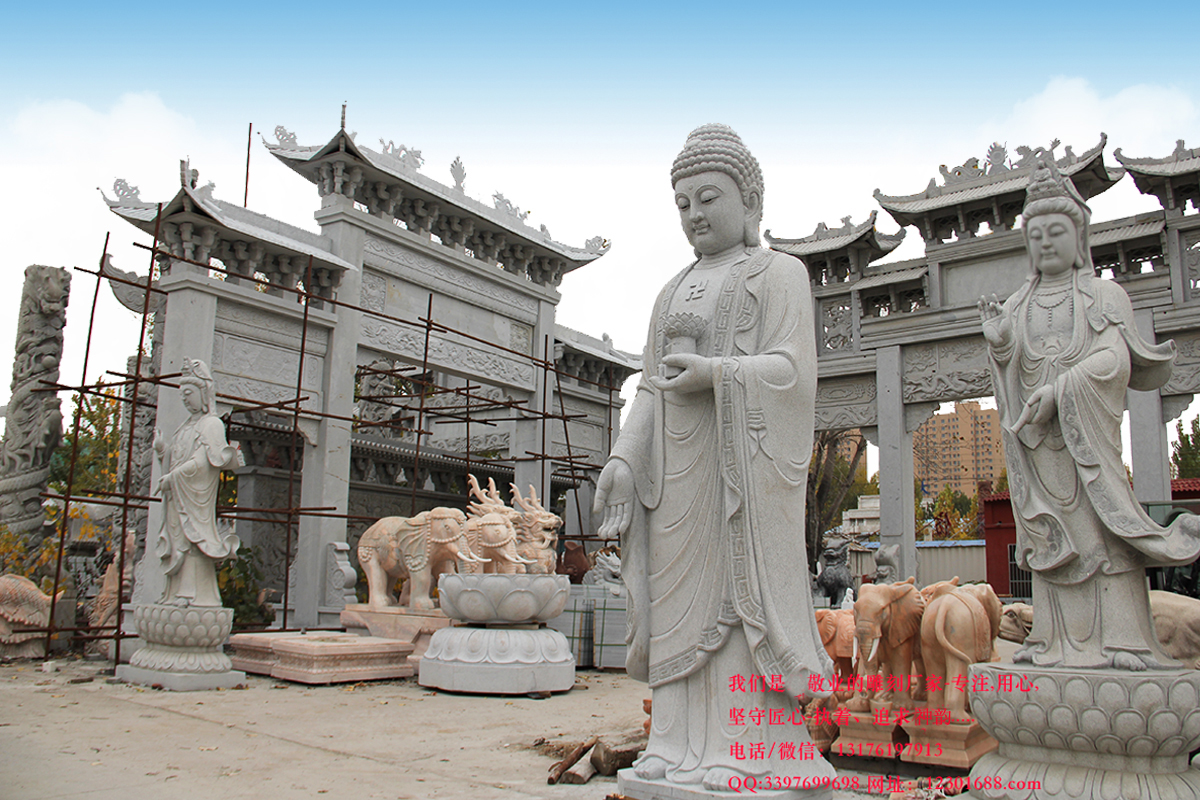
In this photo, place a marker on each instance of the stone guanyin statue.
(190, 543)
(1064, 348)
(706, 486)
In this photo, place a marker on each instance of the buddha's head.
(718, 189)
(1055, 221)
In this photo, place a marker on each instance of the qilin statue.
(33, 425)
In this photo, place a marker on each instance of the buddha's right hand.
(615, 495)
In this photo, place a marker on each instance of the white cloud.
(56, 154)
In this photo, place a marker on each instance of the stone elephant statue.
(836, 627)
(397, 546)
(959, 628)
(887, 626)
(495, 539)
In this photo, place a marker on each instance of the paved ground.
(96, 740)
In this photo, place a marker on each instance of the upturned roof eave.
(303, 160)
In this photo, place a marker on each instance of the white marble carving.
(713, 463)
(1107, 707)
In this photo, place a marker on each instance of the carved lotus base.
(498, 661)
(1088, 733)
(178, 639)
(505, 599)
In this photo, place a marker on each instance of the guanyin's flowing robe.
(1080, 529)
(190, 541)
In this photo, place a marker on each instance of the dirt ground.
(72, 733)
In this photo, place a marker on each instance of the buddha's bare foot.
(650, 768)
(1023, 656)
(719, 779)
(1128, 661)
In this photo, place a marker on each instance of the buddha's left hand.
(697, 375)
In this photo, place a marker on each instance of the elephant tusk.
(482, 560)
(520, 560)
(874, 648)
(855, 649)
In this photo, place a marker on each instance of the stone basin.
(504, 599)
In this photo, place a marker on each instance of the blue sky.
(574, 114)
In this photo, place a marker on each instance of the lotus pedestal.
(505, 647)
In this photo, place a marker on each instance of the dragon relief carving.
(946, 371)
(33, 426)
(391, 338)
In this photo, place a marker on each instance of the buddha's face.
(712, 212)
(1053, 243)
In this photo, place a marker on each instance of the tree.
(1185, 453)
(830, 480)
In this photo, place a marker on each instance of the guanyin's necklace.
(1046, 334)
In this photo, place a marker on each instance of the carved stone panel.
(836, 324)
(445, 354)
(1186, 377)
(456, 281)
(846, 403)
(374, 290)
(944, 371)
(263, 372)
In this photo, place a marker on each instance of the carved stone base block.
(255, 652)
(958, 743)
(184, 648)
(414, 627)
(860, 735)
(498, 661)
(334, 658)
(631, 786)
(1087, 733)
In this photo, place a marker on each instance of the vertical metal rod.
(421, 405)
(292, 515)
(65, 527)
(133, 409)
(547, 356)
(249, 140)
(562, 407)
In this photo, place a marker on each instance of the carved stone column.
(1148, 432)
(325, 476)
(897, 520)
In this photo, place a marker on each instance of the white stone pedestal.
(1087, 733)
(184, 648)
(509, 660)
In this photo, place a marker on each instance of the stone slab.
(414, 627)
(180, 681)
(255, 652)
(610, 626)
(635, 788)
(340, 658)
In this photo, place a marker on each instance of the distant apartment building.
(958, 449)
(846, 448)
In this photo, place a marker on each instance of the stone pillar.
(1148, 433)
(325, 475)
(897, 518)
(191, 299)
(527, 433)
